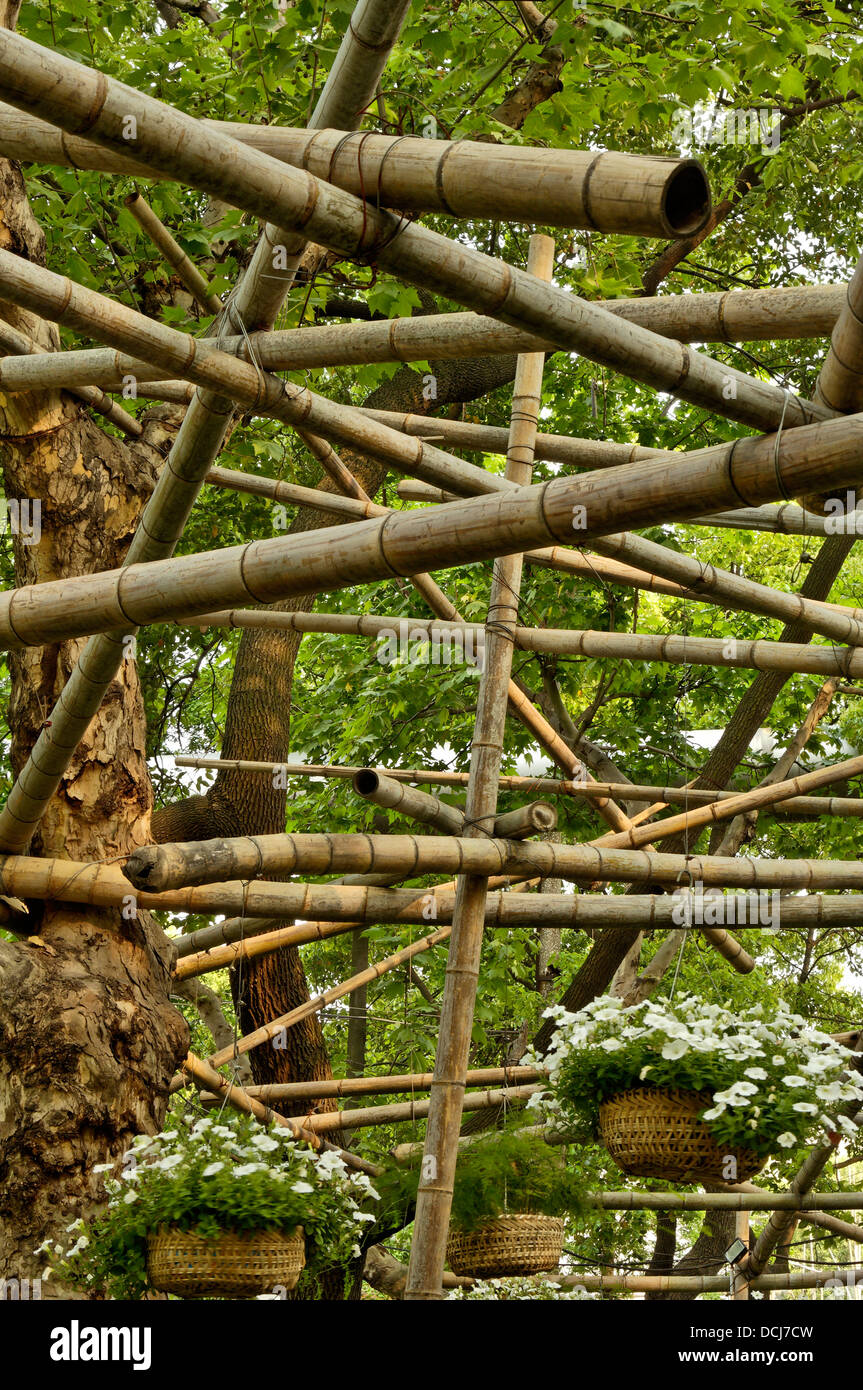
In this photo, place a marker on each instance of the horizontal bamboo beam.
(726, 1201)
(406, 1111)
(735, 315)
(758, 654)
(163, 867)
(46, 84)
(430, 810)
(459, 532)
(12, 340)
(386, 1085)
(784, 520)
(635, 194)
(700, 1283)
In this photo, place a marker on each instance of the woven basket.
(655, 1132)
(521, 1243)
(236, 1264)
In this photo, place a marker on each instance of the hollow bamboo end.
(365, 782)
(686, 200)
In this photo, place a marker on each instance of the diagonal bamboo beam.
(355, 72)
(171, 251)
(74, 97)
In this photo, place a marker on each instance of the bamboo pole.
(68, 94)
(784, 520)
(725, 809)
(755, 314)
(293, 494)
(847, 1229)
(159, 868)
(416, 805)
(840, 382)
(13, 341)
(373, 29)
(434, 1194)
(329, 996)
(621, 791)
(429, 810)
(696, 1283)
(633, 194)
(172, 252)
(579, 912)
(406, 1111)
(386, 1085)
(727, 1201)
(804, 1180)
(758, 654)
(491, 439)
(206, 1078)
(459, 532)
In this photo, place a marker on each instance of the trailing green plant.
(774, 1081)
(210, 1176)
(518, 1290)
(499, 1173)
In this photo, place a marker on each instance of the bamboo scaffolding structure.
(293, 494)
(172, 252)
(804, 1180)
(847, 1229)
(159, 868)
(329, 996)
(405, 1112)
(725, 809)
(621, 791)
(446, 1102)
(727, 1201)
(459, 532)
(253, 944)
(206, 1078)
(44, 83)
(387, 1085)
(13, 341)
(491, 439)
(784, 520)
(373, 29)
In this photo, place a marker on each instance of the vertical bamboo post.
(434, 1197)
(372, 30)
(740, 1284)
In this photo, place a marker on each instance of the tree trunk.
(88, 1037)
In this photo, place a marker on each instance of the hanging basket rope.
(236, 1264)
(655, 1132)
(518, 1243)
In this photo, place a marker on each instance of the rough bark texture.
(88, 1037)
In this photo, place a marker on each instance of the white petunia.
(130, 1196)
(756, 1073)
(245, 1168)
(787, 1140)
(796, 1081)
(611, 1045)
(302, 1187)
(805, 1108)
(674, 1049)
(212, 1169)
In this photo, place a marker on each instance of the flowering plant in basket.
(774, 1080)
(213, 1176)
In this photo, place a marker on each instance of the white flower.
(756, 1073)
(715, 1113)
(246, 1168)
(130, 1196)
(211, 1169)
(672, 1050)
(796, 1081)
(611, 1045)
(805, 1108)
(264, 1142)
(302, 1187)
(170, 1161)
(787, 1140)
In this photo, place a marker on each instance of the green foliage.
(498, 1173)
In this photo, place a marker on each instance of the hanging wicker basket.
(236, 1264)
(519, 1243)
(655, 1132)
